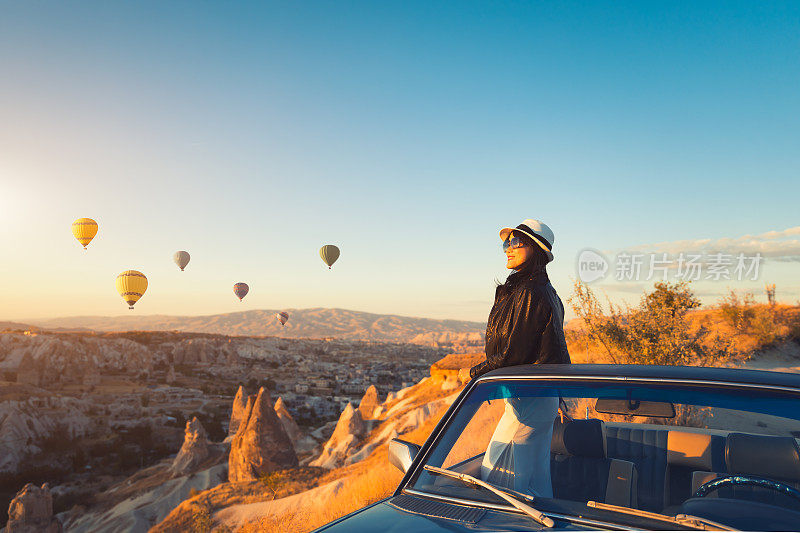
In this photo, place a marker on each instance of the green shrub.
(655, 332)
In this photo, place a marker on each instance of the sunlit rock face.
(349, 430)
(31, 511)
(260, 445)
(368, 403)
(291, 427)
(238, 411)
(195, 448)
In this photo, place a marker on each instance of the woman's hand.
(477, 370)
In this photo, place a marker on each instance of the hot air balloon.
(240, 290)
(131, 285)
(329, 253)
(181, 259)
(282, 317)
(84, 230)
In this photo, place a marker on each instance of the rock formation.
(31, 511)
(91, 378)
(46, 359)
(368, 403)
(349, 430)
(204, 351)
(291, 427)
(453, 371)
(29, 370)
(171, 378)
(238, 411)
(260, 445)
(194, 450)
(24, 424)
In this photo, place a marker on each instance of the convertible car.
(580, 447)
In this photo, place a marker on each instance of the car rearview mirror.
(631, 407)
(402, 453)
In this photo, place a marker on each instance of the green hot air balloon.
(329, 253)
(181, 259)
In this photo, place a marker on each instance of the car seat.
(580, 469)
(760, 456)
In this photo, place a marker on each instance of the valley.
(83, 411)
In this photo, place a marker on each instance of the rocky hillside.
(303, 323)
(345, 472)
(97, 383)
(267, 469)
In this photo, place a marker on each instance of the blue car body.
(413, 511)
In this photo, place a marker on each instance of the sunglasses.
(513, 242)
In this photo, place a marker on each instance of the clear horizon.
(407, 134)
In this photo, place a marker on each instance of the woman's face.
(516, 257)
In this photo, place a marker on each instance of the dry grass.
(374, 484)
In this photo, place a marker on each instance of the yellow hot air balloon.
(84, 230)
(329, 253)
(131, 285)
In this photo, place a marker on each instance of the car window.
(475, 437)
(646, 447)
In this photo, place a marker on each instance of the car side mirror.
(402, 454)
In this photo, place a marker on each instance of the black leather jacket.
(526, 324)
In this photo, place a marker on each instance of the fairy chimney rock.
(368, 402)
(31, 511)
(261, 445)
(348, 432)
(194, 450)
(289, 425)
(238, 412)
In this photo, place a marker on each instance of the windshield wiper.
(503, 493)
(688, 520)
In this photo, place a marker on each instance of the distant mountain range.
(303, 323)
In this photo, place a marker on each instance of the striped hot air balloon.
(329, 253)
(131, 285)
(84, 229)
(282, 317)
(181, 259)
(241, 289)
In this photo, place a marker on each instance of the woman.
(526, 326)
(526, 323)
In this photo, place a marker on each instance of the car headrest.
(690, 449)
(763, 456)
(582, 438)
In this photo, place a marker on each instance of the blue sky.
(406, 133)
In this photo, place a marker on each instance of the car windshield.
(724, 453)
